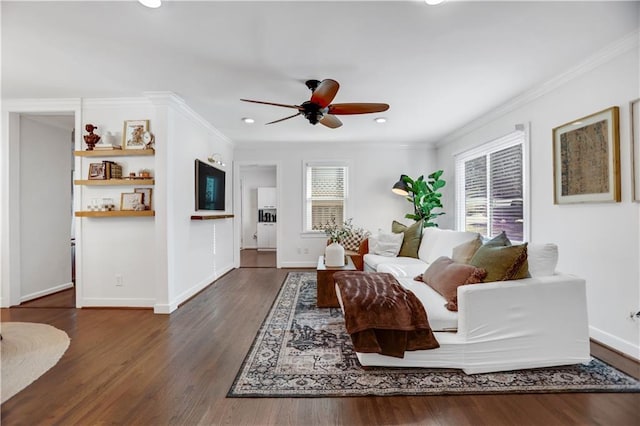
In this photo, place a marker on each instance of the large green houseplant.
(425, 197)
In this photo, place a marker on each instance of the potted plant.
(425, 197)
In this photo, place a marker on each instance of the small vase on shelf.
(334, 255)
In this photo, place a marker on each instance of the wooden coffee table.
(326, 290)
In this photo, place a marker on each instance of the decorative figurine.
(91, 139)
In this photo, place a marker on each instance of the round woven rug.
(28, 350)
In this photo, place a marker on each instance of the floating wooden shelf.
(107, 182)
(116, 213)
(114, 153)
(211, 217)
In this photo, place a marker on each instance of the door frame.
(10, 183)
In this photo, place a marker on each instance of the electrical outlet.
(119, 281)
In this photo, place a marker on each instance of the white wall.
(45, 206)
(253, 178)
(372, 205)
(599, 242)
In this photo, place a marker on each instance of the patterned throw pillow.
(352, 242)
(464, 252)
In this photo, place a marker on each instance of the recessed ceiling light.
(151, 3)
(380, 120)
(434, 2)
(248, 120)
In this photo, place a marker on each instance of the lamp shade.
(400, 187)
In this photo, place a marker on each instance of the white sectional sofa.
(532, 322)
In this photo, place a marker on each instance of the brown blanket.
(382, 316)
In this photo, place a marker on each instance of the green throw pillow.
(499, 241)
(412, 236)
(502, 263)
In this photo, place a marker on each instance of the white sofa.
(539, 321)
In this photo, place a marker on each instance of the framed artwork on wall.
(133, 134)
(634, 108)
(586, 159)
(146, 196)
(97, 171)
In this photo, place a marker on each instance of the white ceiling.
(438, 67)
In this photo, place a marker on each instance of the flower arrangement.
(337, 233)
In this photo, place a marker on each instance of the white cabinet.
(267, 198)
(266, 236)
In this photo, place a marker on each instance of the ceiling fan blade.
(356, 108)
(330, 121)
(325, 92)
(272, 103)
(282, 119)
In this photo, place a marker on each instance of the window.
(325, 194)
(490, 191)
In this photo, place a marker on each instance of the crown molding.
(41, 104)
(603, 56)
(170, 99)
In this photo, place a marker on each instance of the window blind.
(325, 195)
(490, 188)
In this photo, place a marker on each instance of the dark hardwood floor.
(252, 258)
(134, 367)
(61, 299)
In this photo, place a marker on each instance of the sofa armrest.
(545, 310)
(364, 247)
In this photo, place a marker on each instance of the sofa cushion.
(542, 259)
(412, 236)
(502, 263)
(440, 318)
(445, 276)
(403, 270)
(386, 244)
(440, 242)
(373, 261)
(463, 253)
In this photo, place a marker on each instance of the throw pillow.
(502, 263)
(412, 236)
(499, 241)
(445, 276)
(464, 252)
(386, 244)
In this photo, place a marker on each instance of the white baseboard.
(614, 342)
(112, 302)
(167, 308)
(300, 264)
(45, 292)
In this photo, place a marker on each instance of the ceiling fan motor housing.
(312, 112)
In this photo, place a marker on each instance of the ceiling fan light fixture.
(153, 4)
(434, 2)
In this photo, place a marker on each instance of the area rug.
(303, 351)
(27, 351)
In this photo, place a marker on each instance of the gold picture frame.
(634, 110)
(586, 159)
(147, 194)
(132, 135)
(131, 201)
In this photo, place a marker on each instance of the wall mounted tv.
(210, 185)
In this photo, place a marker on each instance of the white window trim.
(521, 130)
(304, 233)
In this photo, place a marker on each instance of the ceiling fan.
(319, 108)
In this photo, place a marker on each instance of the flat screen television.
(210, 185)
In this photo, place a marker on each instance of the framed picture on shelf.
(131, 201)
(146, 196)
(133, 134)
(586, 159)
(634, 107)
(97, 171)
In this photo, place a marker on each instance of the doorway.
(43, 258)
(258, 216)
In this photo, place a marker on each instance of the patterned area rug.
(304, 351)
